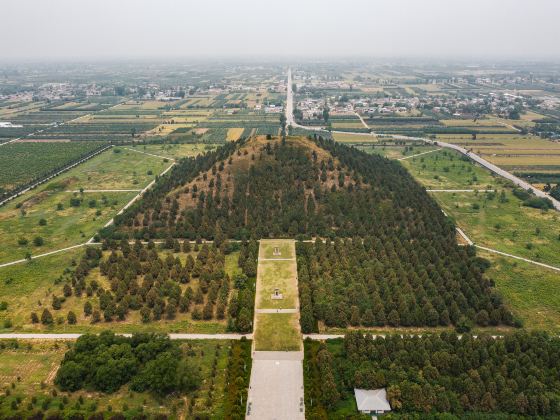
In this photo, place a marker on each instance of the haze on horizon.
(109, 29)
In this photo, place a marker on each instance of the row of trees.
(387, 281)
(237, 379)
(516, 374)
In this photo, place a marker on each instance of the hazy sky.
(79, 29)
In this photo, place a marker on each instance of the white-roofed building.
(372, 401)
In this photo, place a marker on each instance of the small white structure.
(276, 251)
(372, 401)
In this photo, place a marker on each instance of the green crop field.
(62, 216)
(21, 163)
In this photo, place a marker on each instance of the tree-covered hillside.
(266, 188)
(403, 268)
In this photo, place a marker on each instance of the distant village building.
(372, 401)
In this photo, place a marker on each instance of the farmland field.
(62, 216)
(21, 163)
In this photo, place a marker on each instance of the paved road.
(464, 235)
(517, 181)
(418, 154)
(323, 337)
(460, 191)
(276, 386)
(101, 191)
(505, 254)
(56, 251)
(174, 336)
(362, 120)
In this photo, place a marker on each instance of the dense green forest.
(469, 377)
(105, 362)
(387, 281)
(301, 187)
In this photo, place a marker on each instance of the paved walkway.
(276, 385)
(74, 336)
(150, 154)
(277, 311)
(460, 191)
(505, 254)
(56, 251)
(419, 154)
(276, 388)
(102, 191)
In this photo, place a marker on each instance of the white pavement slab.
(75, 336)
(277, 311)
(276, 387)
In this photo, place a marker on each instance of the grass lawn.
(531, 292)
(286, 248)
(447, 169)
(509, 227)
(61, 228)
(276, 274)
(125, 169)
(277, 332)
(25, 284)
(20, 219)
(35, 363)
